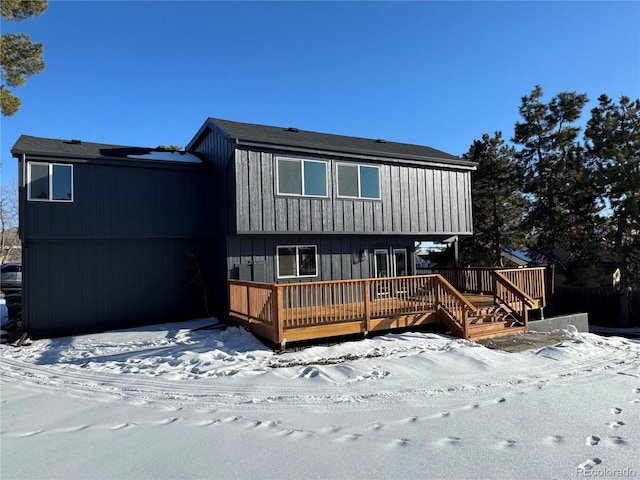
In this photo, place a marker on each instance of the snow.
(177, 401)
(168, 156)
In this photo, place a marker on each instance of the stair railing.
(511, 298)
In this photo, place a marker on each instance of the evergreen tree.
(19, 58)
(498, 205)
(612, 140)
(556, 181)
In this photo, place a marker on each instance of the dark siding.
(414, 201)
(220, 208)
(82, 286)
(120, 202)
(336, 253)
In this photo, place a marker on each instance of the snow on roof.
(168, 156)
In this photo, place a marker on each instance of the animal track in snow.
(448, 441)
(555, 439)
(616, 411)
(506, 444)
(309, 372)
(615, 441)
(589, 464)
(167, 421)
(402, 442)
(593, 440)
(617, 424)
(120, 426)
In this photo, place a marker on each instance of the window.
(297, 261)
(52, 182)
(302, 177)
(358, 181)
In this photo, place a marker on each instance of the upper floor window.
(302, 177)
(358, 181)
(297, 261)
(50, 182)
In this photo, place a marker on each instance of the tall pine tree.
(19, 57)
(498, 205)
(554, 175)
(612, 140)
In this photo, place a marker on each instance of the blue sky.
(431, 73)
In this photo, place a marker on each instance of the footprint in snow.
(589, 464)
(330, 429)
(501, 400)
(617, 424)
(506, 444)
(448, 441)
(309, 372)
(351, 437)
(167, 421)
(615, 441)
(31, 434)
(555, 439)
(375, 426)
(616, 411)
(410, 420)
(206, 423)
(593, 440)
(294, 433)
(401, 442)
(78, 428)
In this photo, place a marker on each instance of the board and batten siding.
(340, 257)
(116, 202)
(414, 200)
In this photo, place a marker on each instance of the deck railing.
(274, 309)
(480, 281)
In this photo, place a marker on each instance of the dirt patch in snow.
(521, 341)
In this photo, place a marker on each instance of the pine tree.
(498, 205)
(554, 176)
(612, 140)
(19, 57)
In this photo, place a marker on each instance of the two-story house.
(117, 236)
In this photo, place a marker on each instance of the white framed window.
(296, 176)
(49, 182)
(358, 181)
(297, 261)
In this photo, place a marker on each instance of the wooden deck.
(284, 313)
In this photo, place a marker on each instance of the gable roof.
(76, 149)
(269, 136)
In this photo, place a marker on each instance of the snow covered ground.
(170, 401)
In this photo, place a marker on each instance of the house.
(307, 206)
(105, 231)
(110, 232)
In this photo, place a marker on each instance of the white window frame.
(50, 176)
(357, 166)
(302, 162)
(297, 247)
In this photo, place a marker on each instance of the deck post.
(276, 311)
(367, 306)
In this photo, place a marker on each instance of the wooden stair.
(493, 321)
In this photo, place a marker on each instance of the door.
(400, 262)
(386, 265)
(381, 263)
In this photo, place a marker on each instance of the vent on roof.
(380, 140)
(292, 129)
(73, 142)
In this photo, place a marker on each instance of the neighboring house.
(106, 229)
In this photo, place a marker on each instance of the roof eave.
(362, 154)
